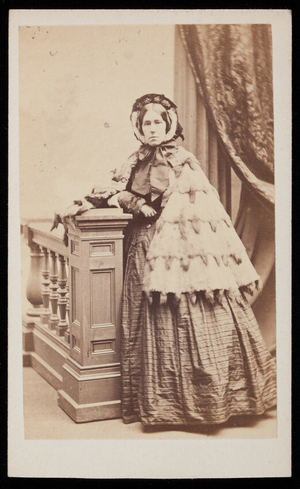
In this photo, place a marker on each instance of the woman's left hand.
(148, 211)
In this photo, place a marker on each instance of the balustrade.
(47, 287)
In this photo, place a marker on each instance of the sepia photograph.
(149, 164)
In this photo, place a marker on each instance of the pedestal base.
(43, 351)
(89, 412)
(90, 393)
(85, 393)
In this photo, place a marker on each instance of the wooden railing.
(72, 326)
(47, 287)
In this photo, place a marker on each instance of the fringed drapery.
(232, 65)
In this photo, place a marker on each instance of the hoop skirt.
(188, 362)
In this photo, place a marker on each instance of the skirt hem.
(182, 422)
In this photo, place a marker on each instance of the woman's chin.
(154, 142)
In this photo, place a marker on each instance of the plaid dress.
(189, 362)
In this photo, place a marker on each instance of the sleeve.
(129, 202)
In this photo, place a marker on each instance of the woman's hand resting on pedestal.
(148, 211)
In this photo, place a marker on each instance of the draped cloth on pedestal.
(232, 65)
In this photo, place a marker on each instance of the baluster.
(67, 332)
(53, 320)
(34, 284)
(62, 300)
(45, 290)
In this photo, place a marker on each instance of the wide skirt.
(188, 363)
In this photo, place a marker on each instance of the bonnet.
(175, 130)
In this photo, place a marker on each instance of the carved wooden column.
(33, 295)
(62, 299)
(67, 332)
(53, 320)
(45, 290)
(34, 284)
(91, 380)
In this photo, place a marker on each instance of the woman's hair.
(157, 108)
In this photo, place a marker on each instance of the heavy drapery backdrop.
(232, 65)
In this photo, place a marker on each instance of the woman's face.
(154, 128)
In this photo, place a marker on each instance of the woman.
(192, 352)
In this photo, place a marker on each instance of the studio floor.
(45, 420)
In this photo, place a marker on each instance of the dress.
(192, 351)
(186, 363)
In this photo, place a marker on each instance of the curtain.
(232, 65)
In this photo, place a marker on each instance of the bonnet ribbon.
(152, 172)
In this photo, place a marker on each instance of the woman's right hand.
(148, 211)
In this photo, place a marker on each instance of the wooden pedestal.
(91, 386)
